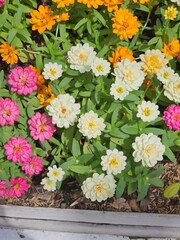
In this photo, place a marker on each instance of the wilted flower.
(147, 111)
(99, 187)
(171, 116)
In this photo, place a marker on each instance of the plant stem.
(148, 16)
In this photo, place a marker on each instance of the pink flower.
(18, 149)
(172, 117)
(32, 166)
(23, 81)
(3, 189)
(9, 112)
(1, 2)
(41, 127)
(18, 186)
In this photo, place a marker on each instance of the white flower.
(48, 184)
(147, 111)
(55, 174)
(176, 1)
(165, 74)
(99, 187)
(63, 110)
(118, 90)
(100, 67)
(114, 162)
(172, 89)
(130, 73)
(152, 61)
(52, 71)
(148, 149)
(81, 57)
(91, 125)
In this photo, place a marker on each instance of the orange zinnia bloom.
(141, 1)
(62, 17)
(42, 19)
(172, 49)
(39, 76)
(91, 3)
(45, 95)
(125, 24)
(8, 53)
(120, 54)
(63, 3)
(112, 4)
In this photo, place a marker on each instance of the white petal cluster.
(90, 125)
(48, 184)
(165, 75)
(63, 110)
(130, 73)
(100, 67)
(52, 71)
(176, 1)
(113, 162)
(99, 187)
(147, 111)
(172, 89)
(80, 57)
(118, 90)
(55, 174)
(148, 149)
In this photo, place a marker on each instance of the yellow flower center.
(7, 112)
(147, 112)
(91, 124)
(149, 150)
(42, 127)
(98, 188)
(82, 56)
(17, 148)
(99, 68)
(63, 110)
(16, 186)
(166, 75)
(176, 117)
(55, 173)
(113, 162)
(53, 71)
(119, 90)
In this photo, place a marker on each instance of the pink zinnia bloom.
(41, 127)
(18, 149)
(18, 186)
(3, 189)
(9, 112)
(23, 81)
(33, 166)
(1, 2)
(172, 117)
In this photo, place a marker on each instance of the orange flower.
(42, 19)
(172, 49)
(141, 1)
(45, 95)
(39, 76)
(62, 17)
(125, 24)
(91, 3)
(8, 53)
(112, 4)
(63, 3)
(120, 54)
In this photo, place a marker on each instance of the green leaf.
(120, 187)
(172, 190)
(115, 132)
(11, 35)
(156, 182)
(132, 187)
(170, 154)
(130, 129)
(143, 191)
(157, 172)
(156, 131)
(80, 23)
(76, 151)
(80, 169)
(23, 57)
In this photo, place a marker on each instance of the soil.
(70, 196)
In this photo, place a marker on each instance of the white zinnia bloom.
(113, 162)
(176, 1)
(148, 149)
(52, 71)
(48, 184)
(172, 89)
(130, 73)
(118, 90)
(80, 57)
(55, 174)
(99, 187)
(147, 111)
(63, 110)
(165, 75)
(100, 67)
(91, 125)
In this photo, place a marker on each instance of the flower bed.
(89, 91)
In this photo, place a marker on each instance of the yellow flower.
(91, 3)
(120, 54)
(141, 1)
(42, 19)
(8, 53)
(172, 49)
(171, 13)
(39, 76)
(112, 4)
(125, 24)
(62, 17)
(63, 3)
(45, 95)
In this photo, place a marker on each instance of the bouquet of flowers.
(89, 90)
